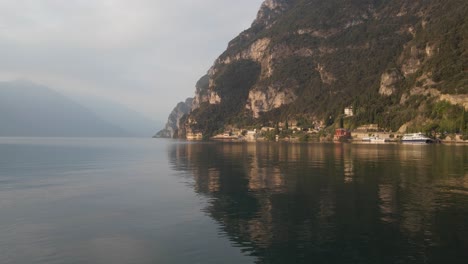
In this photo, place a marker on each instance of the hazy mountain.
(28, 109)
(119, 115)
(398, 63)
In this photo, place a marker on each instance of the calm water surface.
(159, 201)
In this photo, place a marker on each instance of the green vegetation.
(232, 85)
(445, 34)
(351, 44)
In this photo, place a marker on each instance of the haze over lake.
(160, 201)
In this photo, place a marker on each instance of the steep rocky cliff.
(172, 126)
(394, 61)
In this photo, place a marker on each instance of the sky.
(144, 54)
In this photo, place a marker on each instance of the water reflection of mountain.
(335, 203)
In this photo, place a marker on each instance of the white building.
(251, 135)
(348, 111)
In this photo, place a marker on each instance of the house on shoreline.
(194, 136)
(342, 134)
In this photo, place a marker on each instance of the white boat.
(416, 138)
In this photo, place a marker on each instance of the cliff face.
(313, 58)
(172, 126)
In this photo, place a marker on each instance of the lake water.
(161, 201)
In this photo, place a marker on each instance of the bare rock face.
(254, 52)
(430, 50)
(269, 11)
(456, 99)
(264, 100)
(388, 82)
(413, 62)
(258, 51)
(214, 98)
(415, 58)
(327, 77)
(205, 91)
(266, 54)
(201, 92)
(172, 125)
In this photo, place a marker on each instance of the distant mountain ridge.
(31, 110)
(133, 122)
(396, 63)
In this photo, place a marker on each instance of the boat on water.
(374, 139)
(416, 138)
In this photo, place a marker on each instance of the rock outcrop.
(172, 126)
(389, 81)
(266, 99)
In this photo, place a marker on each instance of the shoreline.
(351, 141)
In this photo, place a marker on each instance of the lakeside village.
(290, 131)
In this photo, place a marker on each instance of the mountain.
(119, 115)
(401, 64)
(28, 109)
(171, 130)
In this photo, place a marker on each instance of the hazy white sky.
(146, 54)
